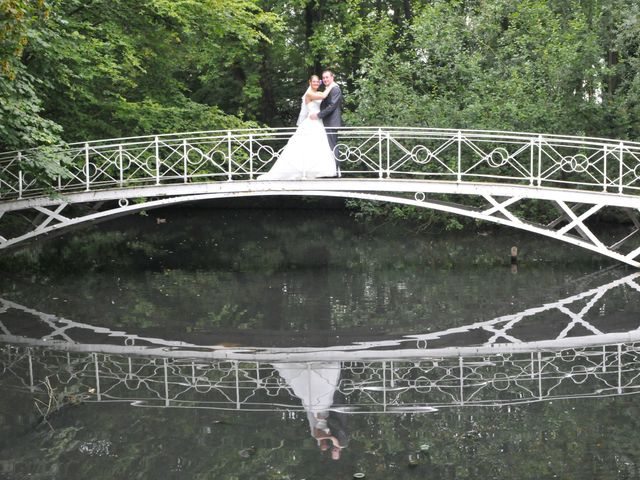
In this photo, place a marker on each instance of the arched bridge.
(499, 177)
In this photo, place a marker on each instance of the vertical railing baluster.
(619, 369)
(380, 174)
(540, 395)
(461, 377)
(20, 177)
(185, 162)
(391, 372)
(121, 165)
(238, 387)
(388, 154)
(229, 153)
(31, 380)
(604, 169)
(459, 156)
(620, 170)
(384, 386)
(166, 382)
(250, 156)
(59, 179)
(86, 166)
(157, 142)
(531, 164)
(539, 160)
(97, 376)
(533, 367)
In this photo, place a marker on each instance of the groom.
(331, 113)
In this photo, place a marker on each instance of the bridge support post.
(531, 162)
(157, 142)
(87, 172)
(250, 157)
(380, 174)
(229, 154)
(620, 173)
(539, 160)
(459, 176)
(121, 173)
(604, 168)
(185, 162)
(20, 180)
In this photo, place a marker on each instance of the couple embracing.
(311, 152)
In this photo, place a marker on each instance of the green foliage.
(73, 70)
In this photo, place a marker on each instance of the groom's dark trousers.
(331, 115)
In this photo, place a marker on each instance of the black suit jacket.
(331, 108)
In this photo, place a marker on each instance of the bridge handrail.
(575, 139)
(601, 164)
(265, 130)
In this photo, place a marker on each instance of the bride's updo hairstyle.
(313, 76)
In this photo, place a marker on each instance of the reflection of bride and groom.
(316, 385)
(311, 151)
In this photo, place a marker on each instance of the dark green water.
(276, 280)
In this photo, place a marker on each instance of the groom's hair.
(329, 72)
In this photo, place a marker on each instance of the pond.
(296, 343)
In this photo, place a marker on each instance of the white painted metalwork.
(394, 376)
(482, 174)
(423, 384)
(569, 313)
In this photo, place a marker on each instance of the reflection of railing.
(420, 384)
(386, 152)
(517, 332)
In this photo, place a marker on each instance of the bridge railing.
(379, 386)
(373, 152)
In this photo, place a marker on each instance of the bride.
(307, 154)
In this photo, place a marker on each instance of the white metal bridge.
(499, 177)
(403, 375)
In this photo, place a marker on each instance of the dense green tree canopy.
(73, 70)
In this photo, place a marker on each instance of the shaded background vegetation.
(74, 70)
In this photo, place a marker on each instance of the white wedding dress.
(307, 154)
(314, 384)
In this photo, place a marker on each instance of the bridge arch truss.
(489, 176)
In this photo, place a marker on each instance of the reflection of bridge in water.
(577, 320)
(413, 373)
(395, 385)
(489, 176)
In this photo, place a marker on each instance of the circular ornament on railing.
(347, 153)
(498, 157)
(356, 368)
(420, 197)
(266, 153)
(579, 374)
(636, 172)
(149, 163)
(195, 156)
(568, 355)
(575, 163)
(123, 202)
(202, 384)
(421, 154)
(501, 381)
(132, 383)
(423, 384)
(346, 386)
(126, 161)
(92, 170)
(217, 157)
(272, 386)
